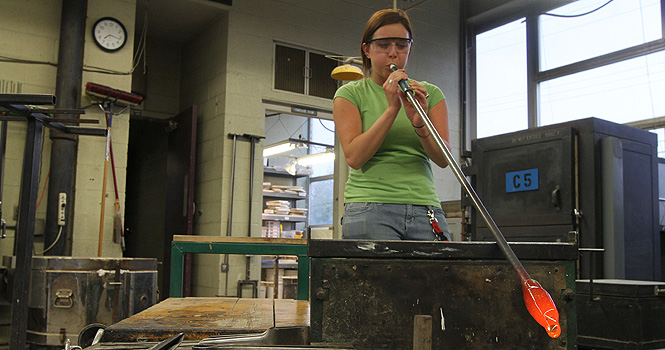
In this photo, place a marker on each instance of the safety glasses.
(384, 45)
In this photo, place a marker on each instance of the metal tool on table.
(296, 335)
(169, 343)
(538, 301)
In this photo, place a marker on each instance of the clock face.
(109, 34)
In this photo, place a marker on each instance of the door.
(180, 166)
(526, 181)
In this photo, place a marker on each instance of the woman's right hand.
(391, 88)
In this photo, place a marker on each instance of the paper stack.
(279, 207)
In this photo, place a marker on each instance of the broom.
(118, 231)
(110, 98)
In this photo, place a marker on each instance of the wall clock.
(109, 34)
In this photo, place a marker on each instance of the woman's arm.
(439, 117)
(359, 147)
(438, 114)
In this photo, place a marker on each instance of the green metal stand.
(260, 247)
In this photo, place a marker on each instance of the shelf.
(290, 218)
(273, 172)
(283, 264)
(283, 195)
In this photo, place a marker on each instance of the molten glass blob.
(541, 307)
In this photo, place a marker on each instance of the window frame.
(306, 70)
(534, 75)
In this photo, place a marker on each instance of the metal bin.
(68, 293)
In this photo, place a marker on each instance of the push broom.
(110, 97)
(538, 301)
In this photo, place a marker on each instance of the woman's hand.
(420, 93)
(391, 89)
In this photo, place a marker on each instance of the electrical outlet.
(62, 205)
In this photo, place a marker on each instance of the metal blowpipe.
(538, 301)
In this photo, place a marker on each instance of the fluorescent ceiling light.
(279, 147)
(317, 158)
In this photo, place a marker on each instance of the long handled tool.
(109, 120)
(538, 302)
(118, 230)
(111, 97)
(229, 226)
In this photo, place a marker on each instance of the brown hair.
(378, 20)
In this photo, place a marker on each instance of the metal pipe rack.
(25, 230)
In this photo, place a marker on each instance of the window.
(501, 87)
(621, 92)
(616, 26)
(317, 178)
(304, 72)
(596, 58)
(321, 196)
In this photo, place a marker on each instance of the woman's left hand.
(421, 96)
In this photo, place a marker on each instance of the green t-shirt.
(400, 170)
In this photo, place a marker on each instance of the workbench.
(200, 318)
(368, 293)
(238, 245)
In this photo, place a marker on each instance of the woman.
(390, 193)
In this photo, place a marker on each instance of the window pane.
(280, 127)
(323, 131)
(622, 92)
(661, 141)
(321, 202)
(501, 84)
(289, 66)
(320, 82)
(619, 25)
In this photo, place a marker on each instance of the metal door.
(527, 181)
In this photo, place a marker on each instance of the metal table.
(238, 245)
(200, 318)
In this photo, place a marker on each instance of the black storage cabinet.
(620, 314)
(589, 180)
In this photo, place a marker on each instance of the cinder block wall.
(91, 154)
(228, 69)
(36, 38)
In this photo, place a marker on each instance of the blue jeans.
(383, 221)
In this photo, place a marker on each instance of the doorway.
(159, 195)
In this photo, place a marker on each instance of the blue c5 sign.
(524, 180)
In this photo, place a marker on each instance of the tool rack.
(25, 228)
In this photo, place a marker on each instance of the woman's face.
(395, 49)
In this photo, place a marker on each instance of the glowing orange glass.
(541, 307)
